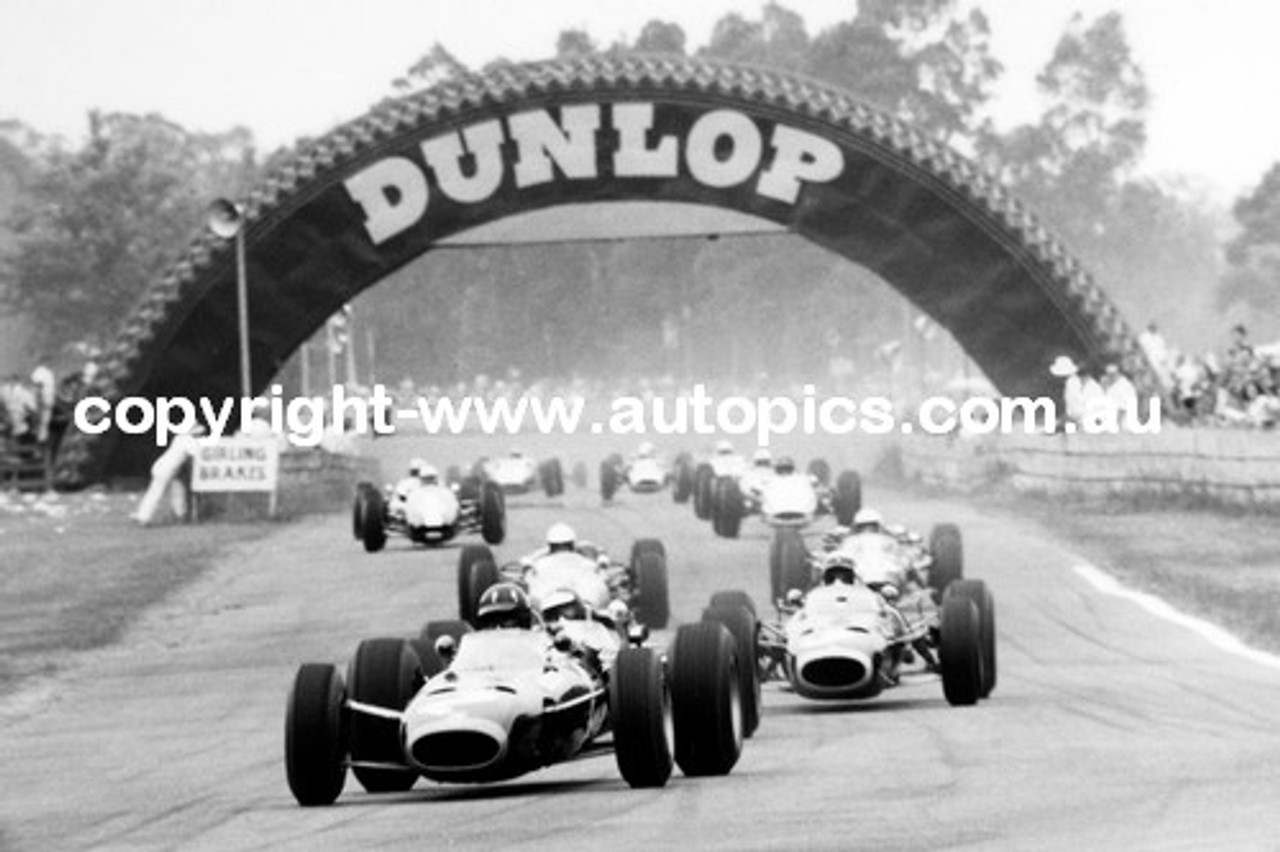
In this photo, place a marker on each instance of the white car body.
(568, 570)
(646, 474)
(789, 501)
(879, 557)
(754, 480)
(460, 725)
(728, 465)
(836, 642)
(514, 474)
(431, 512)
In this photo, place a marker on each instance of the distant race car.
(724, 461)
(639, 585)
(646, 473)
(429, 514)
(459, 707)
(849, 639)
(516, 473)
(782, 497)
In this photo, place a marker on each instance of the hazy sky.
(286, 68)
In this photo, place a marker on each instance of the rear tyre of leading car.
(384, 673)
(741, 623)
(477, 571)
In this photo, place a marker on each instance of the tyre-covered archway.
(380, 191)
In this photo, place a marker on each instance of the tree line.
(85, 229)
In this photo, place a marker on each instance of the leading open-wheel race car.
(853, 634)
(498, 703)
(428, 513)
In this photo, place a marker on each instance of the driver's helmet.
(563, 604)
(868, 520)
(898, 531)
(724, 448)
(835, 537)
(517, 454)
(840, 568)
(646, 450)
(429, 475)
(762, 458)
(416, 466)
(504, 605)
(560, 537)
(785, 465)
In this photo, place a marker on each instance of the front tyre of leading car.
(642, 724)
(315, 741)
(706, 699)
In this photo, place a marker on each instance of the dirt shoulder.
(75, 572)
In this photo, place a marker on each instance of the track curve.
(1110, 728)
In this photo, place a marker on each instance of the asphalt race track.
(1110, 728)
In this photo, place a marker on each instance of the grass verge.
(75, 572)
(1218, 563)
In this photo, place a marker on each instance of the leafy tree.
(660, 37)
(574, 43)
(1253, 256)
(96, 225)
(435, 66)
(778, 39)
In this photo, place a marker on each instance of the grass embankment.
(75, 572)
(1219, 563)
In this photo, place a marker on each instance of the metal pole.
(304, 362)
(351, 348)
(242, 309)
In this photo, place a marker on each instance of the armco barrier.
(1222, 465)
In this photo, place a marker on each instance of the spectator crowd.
(1240, 388)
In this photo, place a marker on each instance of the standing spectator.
(1096, 405)
(1120, 393)
(1157, 352)
(1242, 361)
(1240, 348)
(46, 392)
(19, 403)
(1072, 387)
(165, 480)
(1190, 382)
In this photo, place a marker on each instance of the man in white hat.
(1072, 387)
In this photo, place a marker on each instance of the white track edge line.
(1215, 635)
